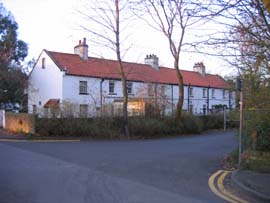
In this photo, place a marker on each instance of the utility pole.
(240, 89)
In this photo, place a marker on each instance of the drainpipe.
(208, 99)
(188, 99)
(230, 105)
(172, 98)
(101, 104)
(156, 100)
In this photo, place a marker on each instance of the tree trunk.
(121, 70)
(180, 91)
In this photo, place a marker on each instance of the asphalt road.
(164, 170)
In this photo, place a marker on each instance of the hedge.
(140, 127)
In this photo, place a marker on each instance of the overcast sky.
(53, 25)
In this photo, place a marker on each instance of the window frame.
(112, 87)
(224, 94)
(163, 90)
(213, 93)
(43, 63)
(204, 95)
(83, 112)
(129, 87)
(83, 89)
(190, 92)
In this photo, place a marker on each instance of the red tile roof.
(52, 103)
(104, 68)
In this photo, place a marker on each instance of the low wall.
(19, 122)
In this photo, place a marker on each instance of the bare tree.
(175, 19)
(105, 19)
(244, 43)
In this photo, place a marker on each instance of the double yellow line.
(216, 185)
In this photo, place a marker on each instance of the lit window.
(190, 92)
(129, 87)
(111, 87)
(204, 92)
(213, 93)
(43, 62)
(83, 110)
(83, 87)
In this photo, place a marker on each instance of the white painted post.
(3, 118)
(224, 117)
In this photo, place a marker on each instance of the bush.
(258, 131)
(111, 127)
(90, 127)
(212, 121)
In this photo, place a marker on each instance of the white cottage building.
(86, 86)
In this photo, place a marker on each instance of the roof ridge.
(101, 67)
(129, 62)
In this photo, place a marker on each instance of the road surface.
(163, 170)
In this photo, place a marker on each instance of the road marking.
(18, 140)
(224, 191)
(220, 191)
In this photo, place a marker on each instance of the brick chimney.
(82, 49)
(152, 60)
(200, 68)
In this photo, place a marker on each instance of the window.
(150, 89)
(204, 109)
(111, 87)
(129, 87)
(34, 109)
(213, 93)
(162, 89)
(83, 87)
(43, 62)
(224, 94)
(204, 92)
(190, 92)
(190, 108)
(83, 110)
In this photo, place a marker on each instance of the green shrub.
(111, 127)
(192, 124)
(212, 121)
(258, 123)
(90, 127)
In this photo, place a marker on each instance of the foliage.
(12, 52)
(257, 130)
(10, 47)
(95, 128)
(111, 128)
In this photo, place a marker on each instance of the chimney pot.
(200, 68)
(82, 49)
(152, 60)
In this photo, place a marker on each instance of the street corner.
(220, 185)
(253, 183)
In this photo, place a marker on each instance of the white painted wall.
(44, 84)
(71, 93)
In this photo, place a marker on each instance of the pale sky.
(53, 25)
